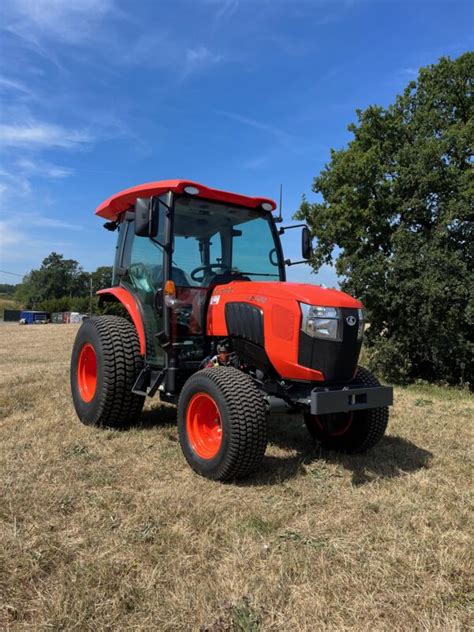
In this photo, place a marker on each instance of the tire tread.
(247, 418)
(121, 363)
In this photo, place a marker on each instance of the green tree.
(62, 285)
(397, 216)
(7, 288)
(101, 278)
(55, 279)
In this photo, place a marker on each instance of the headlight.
(360, 327)
(321, 322)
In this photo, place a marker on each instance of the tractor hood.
(260, 292)
(267, 316)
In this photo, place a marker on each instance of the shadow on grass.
(158, 416)
(390, 458)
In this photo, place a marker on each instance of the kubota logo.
(351, 320)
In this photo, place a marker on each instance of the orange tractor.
(214, 327)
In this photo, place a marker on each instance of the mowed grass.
(107, 530)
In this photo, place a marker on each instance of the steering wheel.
(273, 256)
(204, 269)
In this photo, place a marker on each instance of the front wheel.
(222, 423)
(353, 431)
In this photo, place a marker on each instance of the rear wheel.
(353, 431)
(105, 363)
(222, 423)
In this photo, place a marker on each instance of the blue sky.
(99, 95)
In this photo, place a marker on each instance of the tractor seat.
(177, 275)
(180, 277)
(224, 278)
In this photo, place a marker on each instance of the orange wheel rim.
(204, 425)
(339, 423)
(87, 372)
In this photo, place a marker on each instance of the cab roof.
(113, 206)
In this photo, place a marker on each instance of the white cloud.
(13, 185)
(197, 59)
(201, 55)
(20, 240)
(49, 222)
(38, 134)
(16, 191)
(410, 71)
(258, 125)
(9, 236)
(68, 20)
(20, 245)
(40, 24)
(13, 84)
(224, 8)
(43, 169)
(260, 162)
(165, 50)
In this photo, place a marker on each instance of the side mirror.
(146, 217)
(306, 245)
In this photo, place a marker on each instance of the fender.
(123, 296)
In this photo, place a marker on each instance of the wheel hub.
(335, 424)
(204, 425)
(87, 372)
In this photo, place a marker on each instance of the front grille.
(244, 320)
(336, 360)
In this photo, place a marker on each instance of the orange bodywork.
(112, 207)
(126, 298)
(279, 303)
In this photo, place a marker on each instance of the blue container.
(31, 317)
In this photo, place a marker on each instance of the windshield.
(215, 243)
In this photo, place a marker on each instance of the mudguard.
(123, 296)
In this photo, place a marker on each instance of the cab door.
(142, 264)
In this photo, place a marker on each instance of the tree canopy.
(61, 284)
(397, 216)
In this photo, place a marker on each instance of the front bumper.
(335, 359)
(323, 402)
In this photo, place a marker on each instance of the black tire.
(342, 433)
(243, 423)
(117, 362)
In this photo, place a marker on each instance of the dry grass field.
(107, 530)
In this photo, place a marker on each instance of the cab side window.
(143, 261)
(143, 258)
(146, 265)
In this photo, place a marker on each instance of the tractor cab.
(176, 246)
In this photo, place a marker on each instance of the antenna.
(280, 216)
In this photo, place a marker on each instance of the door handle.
(158, 301)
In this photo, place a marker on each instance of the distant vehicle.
(30, 317)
